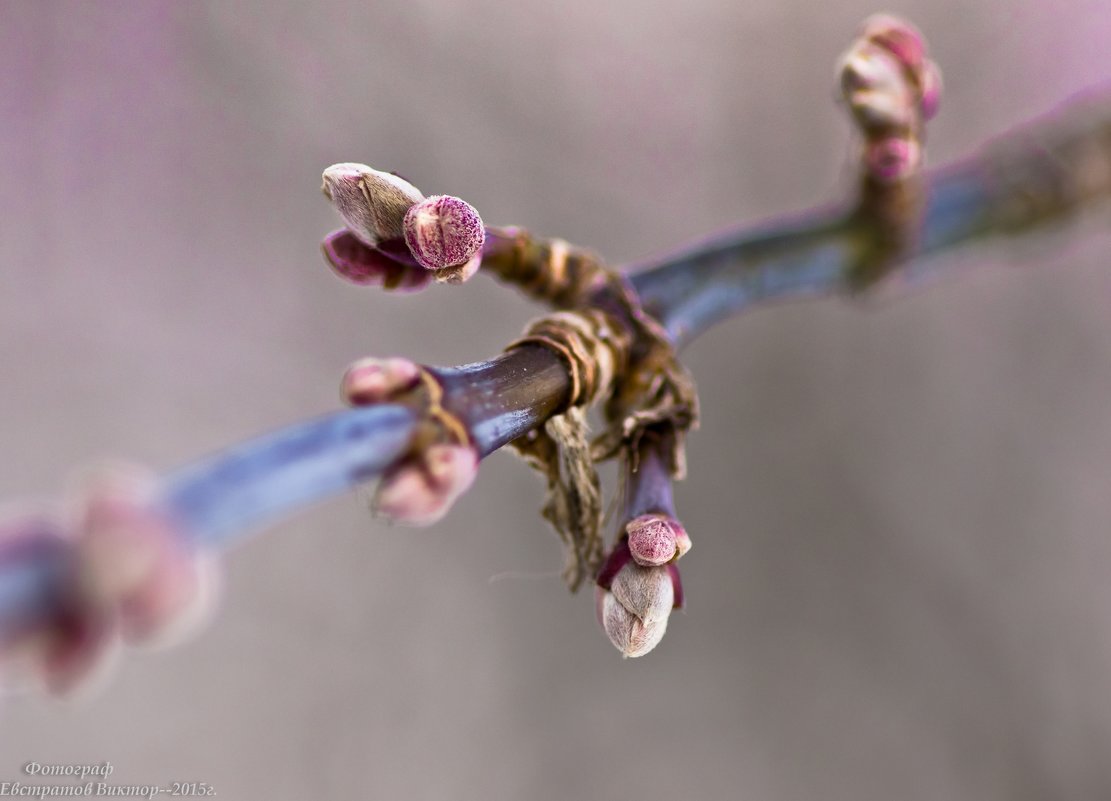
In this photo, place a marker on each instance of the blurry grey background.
(901, 509)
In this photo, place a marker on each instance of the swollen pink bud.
(373, 380)
(361, 264)
(443, 231)
(371, 203)
(420, 492)
(656, 539)
(898, 36)
(176, 602)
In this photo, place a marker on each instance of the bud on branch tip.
(371, 203)
(633, 602)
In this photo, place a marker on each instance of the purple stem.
(222, 498)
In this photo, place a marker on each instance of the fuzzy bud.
(633, 602)
(656, 539)
(371, 203)
(443, 231)
(628, 633)
(421, 491)
(373, 380)
(646, 592)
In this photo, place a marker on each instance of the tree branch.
(1034, 176)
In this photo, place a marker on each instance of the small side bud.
(443, 231)
(421, 491)
(131, 559)
(656, 539)
(892, 158)
(371, 203)
(376, 380)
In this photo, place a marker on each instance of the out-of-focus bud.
(130, 559)
(422, 490)
(120, 570)
(656, 539)
(892, 158)
(876, 87)
(898, 36)
(444, 231)
(75, 655)
(930, 85)
(372, 203)
(886, 77)
(373, 380)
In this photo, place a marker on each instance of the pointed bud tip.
(628, 633)
(372, 203)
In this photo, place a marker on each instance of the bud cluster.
(633, 600)
(419, 490)
(126, 576)
(891, 89)
(395, 236)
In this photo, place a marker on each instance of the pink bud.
(132, 561)
(421, 491)
(75, 654)
(177, 601)
(655, 539)
(897, 36)
(373, 380)
(361, 264)
(876, 87)
(930, 89)
(371, 203)
(891, 158)
(443, 231)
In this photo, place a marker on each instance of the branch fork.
(71, 586)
